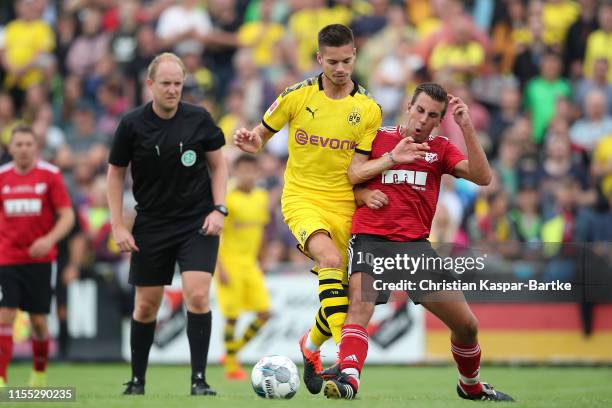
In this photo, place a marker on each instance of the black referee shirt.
(168, 159)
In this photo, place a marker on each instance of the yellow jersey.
(244, 226)
(324, 133)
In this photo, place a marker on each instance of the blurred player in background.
(239, 279)
(36, 213)
(71, 251)
(400, 208)
(332, 122)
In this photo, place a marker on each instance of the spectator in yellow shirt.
(28, 44)
(461, 56)
(304, 26)
(598, 44)
(264, 36)
(558, 16)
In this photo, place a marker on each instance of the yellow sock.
(251, 331)
(334, 300)
(320, 331)
(232, 346)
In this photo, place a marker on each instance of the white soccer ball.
(275, 377)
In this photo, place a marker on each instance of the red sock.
(6, 347)
(353, 351)
(467, 357)
(40, 353)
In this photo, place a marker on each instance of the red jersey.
(412, 189)
(29, 204)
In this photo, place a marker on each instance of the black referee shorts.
(364, 247)
(27, 287)
(165, 242)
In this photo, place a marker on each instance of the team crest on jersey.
(40, 188)
(354, 118)
(189, 158)
(431, 157)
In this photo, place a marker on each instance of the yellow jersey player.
(239, 280)
(332, 122)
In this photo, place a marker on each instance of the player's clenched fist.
(247, 140)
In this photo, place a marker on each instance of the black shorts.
(363, 248)
(27, 287)
(165, 242)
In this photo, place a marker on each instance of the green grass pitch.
(99, 385)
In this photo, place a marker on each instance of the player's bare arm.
(213, 223)
(476, 167)
(62, 227)
(406, 151)
(252, 141)
(114, 191)
(374, 199)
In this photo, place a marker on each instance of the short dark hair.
(245, 158)
(23, 128)
(335, 35)
(434, 91)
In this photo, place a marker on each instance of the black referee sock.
(198, 334)
(141, 339)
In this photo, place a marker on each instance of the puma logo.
(311, 111)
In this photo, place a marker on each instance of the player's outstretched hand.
(461, 112)
(213, 223)
(407, 151)
(40, 247)
(247, 140)
(375, 199)
(124, 239)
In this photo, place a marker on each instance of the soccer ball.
(275, 377)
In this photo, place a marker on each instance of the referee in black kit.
(180, 180)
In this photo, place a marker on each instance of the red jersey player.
(35, 213)
(400, 205)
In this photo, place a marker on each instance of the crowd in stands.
(536, 75)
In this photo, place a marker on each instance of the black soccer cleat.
(340, 387)
(312, 367)
(134, 387)
(201, 387)
(487, 394)
(331, 372)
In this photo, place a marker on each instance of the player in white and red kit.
(35, 213)
(400, 205)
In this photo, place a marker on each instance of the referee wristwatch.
(222, 209)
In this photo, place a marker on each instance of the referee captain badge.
(188, 158)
